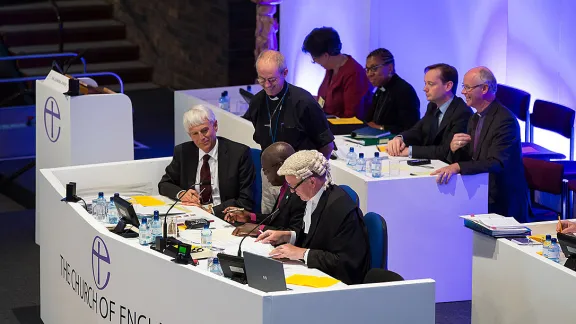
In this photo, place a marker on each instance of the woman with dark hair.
(345, 91)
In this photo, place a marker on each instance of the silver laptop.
(264, 273)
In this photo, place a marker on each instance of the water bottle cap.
(548, 237)
(224, 93)
(144, 220)
(351, 149)
(376, 154)
(111, 199)
(207, 226)
(361, 155)
(116, 194)
(554, 240)
(100, 194)
(215, 261)
(156, 213)
(249, 88)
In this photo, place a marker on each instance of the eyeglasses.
(263, 81)
(373, 68)
(293, 189)
(468, 88)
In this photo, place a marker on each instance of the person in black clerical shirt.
(284, 112)
(490, 145)
(289, 208)
(395, 105)
(446, 115)
(224, 167)
(333, 238)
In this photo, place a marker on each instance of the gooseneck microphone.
(262, 222)
(162, 244)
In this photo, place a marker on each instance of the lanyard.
(273, 135)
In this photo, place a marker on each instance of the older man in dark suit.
(222, 169)
(446, 115)
(333, 237)
(492, 144)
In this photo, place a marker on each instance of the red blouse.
(349, 93)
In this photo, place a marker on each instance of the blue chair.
(378, 237)
(351, 193)
(257, 188)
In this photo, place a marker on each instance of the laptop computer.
(264, 273)
(246, 95)
(232, 267)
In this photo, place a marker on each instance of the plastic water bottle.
(215, 267)
(206, 237)
(351, 158)
(112, 212)
(554, 251)
(101, 208)
(546, 246)
(361, 163)
(224, 101)
(376, 166)
(156, 229)
(144, 232)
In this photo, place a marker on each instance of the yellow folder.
(311, 281)
(345, 121)
(148, 201)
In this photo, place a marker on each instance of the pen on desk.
(413, 174)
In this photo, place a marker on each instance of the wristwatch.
(381, 128)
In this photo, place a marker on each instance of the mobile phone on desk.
(417, 162)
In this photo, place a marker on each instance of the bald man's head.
(272, 71)
(479, 87)
(272, 159)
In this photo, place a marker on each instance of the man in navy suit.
(492, 145)
(223, 169)
(446, 115)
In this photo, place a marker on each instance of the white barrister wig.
(304, 164)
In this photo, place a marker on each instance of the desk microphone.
(271, 216)
(161, 245)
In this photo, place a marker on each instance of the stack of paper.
(496, 225)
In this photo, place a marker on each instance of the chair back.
(351, 193)
(518, 101)
(257, 187)
(544, 175)
(378, 238)
(376, 275)
(553, 117)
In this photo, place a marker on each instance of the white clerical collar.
(273, 98)
(382, 89)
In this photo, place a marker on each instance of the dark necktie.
(434, 128)
(205, 177)
(477, 132)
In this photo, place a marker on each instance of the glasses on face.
(469, 88)
(373, 68)
(293, 189)
(262, 81)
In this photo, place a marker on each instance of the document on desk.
(149, 210)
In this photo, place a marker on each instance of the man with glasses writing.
(333, 237)
(222, 169)
(395, 105)
(491, 145)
